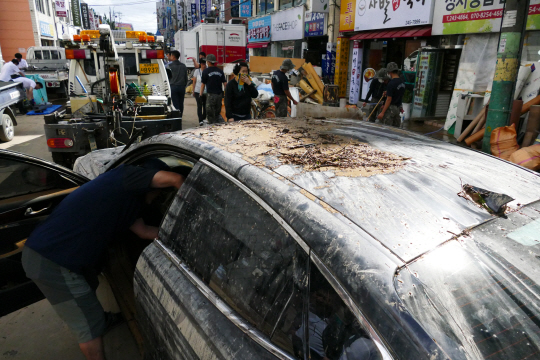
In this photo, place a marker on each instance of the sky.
(140, 13)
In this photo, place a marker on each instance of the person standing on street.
(202, 55)
(280, 86)
(23, 65)
(201, 100)
(391, 112)
(238, 94)
(213, 80)
(178, 81)
(66, 252)
(377, 90)
(10, 68)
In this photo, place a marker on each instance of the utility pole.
(508, 62)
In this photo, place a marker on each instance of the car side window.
(46, 55)
(19, 178)
(334, 331)
(54, 55)
(37, 55)
(242, 253)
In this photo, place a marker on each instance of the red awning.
(415, 31)
(258, 45)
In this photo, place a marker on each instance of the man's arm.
(164, 179)
(288, 93)
(386, 106)
(144, 231)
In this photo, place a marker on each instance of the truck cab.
(51, 64)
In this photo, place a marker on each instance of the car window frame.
(236, 318)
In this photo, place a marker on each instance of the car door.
(224, 280)
(30, 189)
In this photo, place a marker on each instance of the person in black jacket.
(238, 94)
(377, 90)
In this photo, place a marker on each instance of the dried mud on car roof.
(307, 143)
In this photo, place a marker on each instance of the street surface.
(36, 332)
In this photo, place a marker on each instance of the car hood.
(478, 295)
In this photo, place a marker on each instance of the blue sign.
(204, 8)
(245, 9)
(235, 11)
(45, 29)
(194, 14)
(259, 29)
(314, 24)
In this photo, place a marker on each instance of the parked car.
(51, 64)
(262, 257)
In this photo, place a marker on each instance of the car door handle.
(30, 212)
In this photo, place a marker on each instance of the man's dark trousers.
(178, 93)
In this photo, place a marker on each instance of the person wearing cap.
(65, 253)
(10, 68)
(213, 80)
(280, 86)
(23, 65)
(178, 81)
(391, 112)
(29, 85)
(377, 90)
(201, 100)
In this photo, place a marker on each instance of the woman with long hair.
(238, 94)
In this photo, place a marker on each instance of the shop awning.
(415, 31)
(258, 45)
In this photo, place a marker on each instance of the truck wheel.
(7, 130)
(64, 159)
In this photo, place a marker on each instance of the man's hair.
(39, 84)
(239, 67)
(202, 53)
(202, 61)
(15, 61)
(176, 54)
(18, 55)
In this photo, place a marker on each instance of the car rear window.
(37, 55)
(474, 302)
(55, 55)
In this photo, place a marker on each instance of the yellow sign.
(149, 68)
(342, 65)
(346, 16)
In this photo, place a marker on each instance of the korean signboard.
(46, 29)
(96, 21)
(342, 65)
(91, 19)
(356, 70)
(288, 24)
(477, 16)
(194, 18)
(124, 26)
(382, 14)
(259, 29)
(203, 8)
(76, 12)
(346, 16)
(188, 14)
(330, 61)
(60, 7)
(314, 24)
(235, 9)
(85, 16)
(245, 8)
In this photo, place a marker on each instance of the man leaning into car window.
(64, 255)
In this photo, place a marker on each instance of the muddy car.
(299, 239)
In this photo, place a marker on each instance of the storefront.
(287, 33)
(316, 37)
(259, 31)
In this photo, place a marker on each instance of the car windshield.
(478, 295)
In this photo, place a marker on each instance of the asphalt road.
(36, 332)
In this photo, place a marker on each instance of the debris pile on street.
(307, 143)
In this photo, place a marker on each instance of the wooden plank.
(265, 64)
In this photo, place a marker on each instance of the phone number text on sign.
(149, 68)
(259, 33)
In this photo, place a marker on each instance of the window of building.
(47, 6)
(286, 4)
(242, 253)
(40, 6)
(289, 49)
(261, 51)
(265, 7)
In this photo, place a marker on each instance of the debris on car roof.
(308, 143)
(493, 202)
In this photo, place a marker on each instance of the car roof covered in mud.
(401, 188)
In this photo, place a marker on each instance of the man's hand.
(380, 116)
(246, 80)
(164, 179)
(144, 231)
(364, 104)
(294, 102)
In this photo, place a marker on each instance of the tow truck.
(119, 94)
